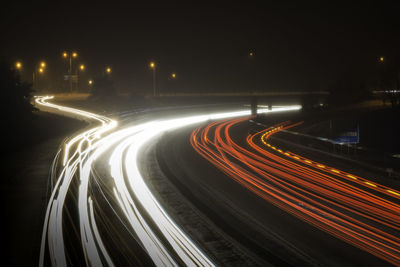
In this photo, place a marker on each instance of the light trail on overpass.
(157, 233)
(358, 211)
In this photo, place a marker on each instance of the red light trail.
(358, 211)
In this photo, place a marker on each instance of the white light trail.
(53, 226)
(125, 144)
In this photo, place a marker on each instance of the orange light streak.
(360, 212)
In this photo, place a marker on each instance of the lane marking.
(351, 176)
(371, 184)
(392, 192)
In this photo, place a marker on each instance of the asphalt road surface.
(260, 204)
(101, 211)
(280, 206)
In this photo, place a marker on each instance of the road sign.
(348, 137)
(74, 78)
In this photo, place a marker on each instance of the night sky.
(297, 46)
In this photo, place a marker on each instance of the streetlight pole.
(70, 73)
(39, 69)
(153, 67)
(154, 81)
(90, 82)
(81, 68)
(70, 55)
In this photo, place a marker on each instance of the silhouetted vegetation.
(15, 109)
(16, 95)
(22, 126)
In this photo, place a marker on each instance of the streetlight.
(153, 67)
(18, 65)
(251, 53)
(108, 70)
(38, 69)
(81, 68)
(381, 59)
(173, 75)
(90, 83)
(69, 56)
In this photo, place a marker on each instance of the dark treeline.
(17, 95)
(16, 108)
(22, 124)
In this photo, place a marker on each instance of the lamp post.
(153, 67)
(18, 66)
(90, 83)
(81, 68)
(39, 69)
(70, 56)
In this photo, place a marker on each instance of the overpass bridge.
(305, 98)
(246, 94)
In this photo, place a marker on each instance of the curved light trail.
(353, 209)
(159, 236)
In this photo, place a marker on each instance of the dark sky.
(301, 46)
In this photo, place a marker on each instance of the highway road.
(349, 208)
(101, 211)
(250, 201)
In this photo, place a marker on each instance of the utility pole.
(153, 67)
(70, 72)
(154, 81)
(69, 55)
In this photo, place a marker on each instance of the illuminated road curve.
(136, 203)
(358, 211)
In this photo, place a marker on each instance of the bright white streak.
(131, 139)
(53, 226)
(183, 246)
